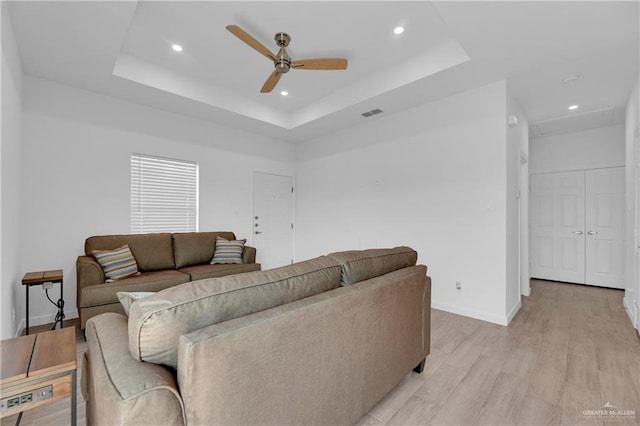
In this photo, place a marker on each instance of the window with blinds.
(164, 195)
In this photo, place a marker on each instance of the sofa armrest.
(124, 391)
(249, 255)
(88, 272)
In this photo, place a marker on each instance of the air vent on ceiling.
(572, 123)
(372, 112)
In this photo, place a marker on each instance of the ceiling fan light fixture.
(398, 30)
(176, 47)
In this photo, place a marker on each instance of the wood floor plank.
(505, 400)
(438, 387)
(576, 400)
(546, 385)
(582, 371)
(390, 404)
(414, 412)
(483, 373)
(520, 362)
(463, 407)
(535, 411)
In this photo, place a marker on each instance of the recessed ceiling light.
(571, 78)
(398, 30)
(572, 107)
(284, 93)
(176, 47)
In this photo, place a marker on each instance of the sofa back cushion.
(153, 252)
(196, 248)
(157, 322)
(360, 265)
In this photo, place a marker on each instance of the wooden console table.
(37, 370)
(40, 278)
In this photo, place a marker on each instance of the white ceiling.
(123, 49)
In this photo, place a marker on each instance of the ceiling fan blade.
(252, 42)
(320, 64)
(271, 82)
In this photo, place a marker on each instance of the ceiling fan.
(282, 61)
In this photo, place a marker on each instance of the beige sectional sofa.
(315, 342)
(164, 260)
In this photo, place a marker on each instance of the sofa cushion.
(153, 252)
(102, 294)
(201, 272)
(228, 251)
(117, 264)
(196, 248)
(126, 298)
(360, 265)
(157, 322)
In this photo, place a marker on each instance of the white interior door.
(557, 226)
(604, 226)
(273, 219)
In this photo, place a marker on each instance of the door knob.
(592, 232)
(577, 232)
(258, 232)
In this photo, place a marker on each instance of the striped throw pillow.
(118, 263)
(228, 251)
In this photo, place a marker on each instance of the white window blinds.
(164, 195)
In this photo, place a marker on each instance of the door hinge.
(292, 189)
(292, 226)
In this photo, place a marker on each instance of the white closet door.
(604, 226)
(557, 226)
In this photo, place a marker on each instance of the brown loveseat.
(164, 260)
(315, 342)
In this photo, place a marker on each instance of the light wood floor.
(571, 348)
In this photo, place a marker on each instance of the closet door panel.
(557, 226)
(604, 226)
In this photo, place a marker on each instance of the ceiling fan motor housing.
(283, 64)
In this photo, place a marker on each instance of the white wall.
(77, 147)
(517, 145)
(434, 178)
(589, 149)
(10, 191)
(632, 234)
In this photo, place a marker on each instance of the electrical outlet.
(29, 397)
(458, 285)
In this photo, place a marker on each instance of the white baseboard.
(483, 316)
(633, 310)
(44, 319)
(512, 313)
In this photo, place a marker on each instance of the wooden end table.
(41, 278)
(36, 370)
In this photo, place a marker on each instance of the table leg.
(61, 310)
(74, 402)
(27, 316)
